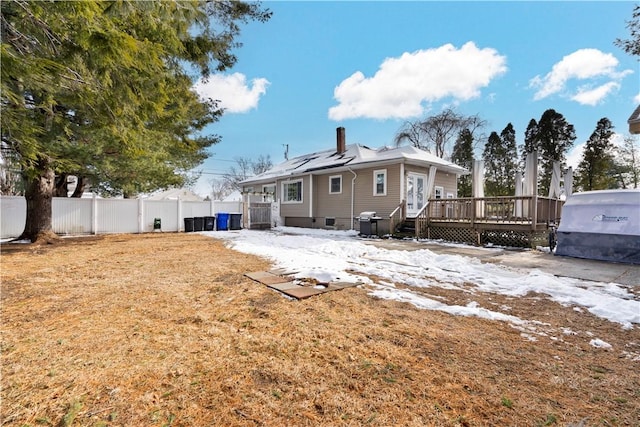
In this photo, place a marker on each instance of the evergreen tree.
(493, 152)
(500, 161)
(552, 136)
(597, 169)
(103, 90)
(508, 137)
(462, 155)
(529, 142)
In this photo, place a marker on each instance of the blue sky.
(371, 66)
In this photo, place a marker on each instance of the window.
(335, 184)
(439, 191)
(269, 193)
(292, 192)
(329, 222)
(380, 182)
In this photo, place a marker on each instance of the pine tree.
(500, 161)
(462, 155)
(552, 136)
(103, 91)
(493, 152)
(508, 137)
(596, 170)
(529, 142)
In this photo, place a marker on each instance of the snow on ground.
(327, 255)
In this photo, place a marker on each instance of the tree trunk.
(81, 185)
(39, 195)
(61, 186)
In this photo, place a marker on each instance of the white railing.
(71, 216)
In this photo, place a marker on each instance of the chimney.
(341, 146)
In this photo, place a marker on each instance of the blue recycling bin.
(222, 221)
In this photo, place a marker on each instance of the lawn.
(164, 329)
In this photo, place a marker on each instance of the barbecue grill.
(368, 220)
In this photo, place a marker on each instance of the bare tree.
(245, 168)
(261, 165)
(628, 161)
(219, 189)
(438, 132)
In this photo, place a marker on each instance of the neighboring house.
(329, 189)
(634, 121)
(183, 194)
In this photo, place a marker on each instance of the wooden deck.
(522, 221)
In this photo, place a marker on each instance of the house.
(183, 194)
(634, 121)
(329, 189)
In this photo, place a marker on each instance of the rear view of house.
(329, 189)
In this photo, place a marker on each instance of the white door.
(416, 193)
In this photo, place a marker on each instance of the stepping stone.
(303, 292)
(284, 286)
(267, 278)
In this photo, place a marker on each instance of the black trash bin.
(209, 223)
(235, 220)
(198, 223)
(188, 225)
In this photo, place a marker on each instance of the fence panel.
(117, 216)
(228, 207)
(71, 215)
(166, 210)
(13, 215)
(96, 215)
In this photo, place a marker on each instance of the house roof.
(634, 121)
(172, 194)
(355, 156)
(635, 116)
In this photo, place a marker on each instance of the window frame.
(438, 189)
(331, 178)
(375, 182)
(267, 196)
(285, 192)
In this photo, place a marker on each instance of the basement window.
(329, 222)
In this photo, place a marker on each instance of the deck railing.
(397, 216)
(506, 209)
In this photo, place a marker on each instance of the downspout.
(353, 187)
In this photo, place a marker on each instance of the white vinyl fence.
(73, 216)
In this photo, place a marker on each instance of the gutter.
(353, 187)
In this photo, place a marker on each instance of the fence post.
(140, 215)
(179, 205)
(94, 214)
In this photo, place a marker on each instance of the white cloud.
(592, 65)
(233, 92)
(636, 99)
(402, 84)
(587, 96)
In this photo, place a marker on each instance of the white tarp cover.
(602, 225)
(602, 212)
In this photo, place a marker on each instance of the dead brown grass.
(165, 329)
